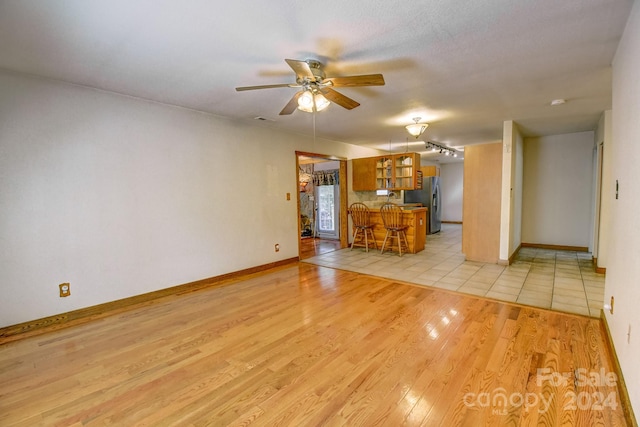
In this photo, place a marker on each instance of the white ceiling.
(463, 66)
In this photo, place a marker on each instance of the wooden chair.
(392, 219)
(362, 226)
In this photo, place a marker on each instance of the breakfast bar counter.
(414, 217)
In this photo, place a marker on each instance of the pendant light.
(416, 129)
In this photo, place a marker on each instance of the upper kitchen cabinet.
(430, 171)
(406, 171)
(364, 174)
(392, 172)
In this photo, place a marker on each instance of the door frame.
(342, 174)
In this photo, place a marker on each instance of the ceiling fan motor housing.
(316, 69)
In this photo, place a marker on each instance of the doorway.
(327, 199)
(321, 203)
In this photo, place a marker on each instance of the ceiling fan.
(317, 89)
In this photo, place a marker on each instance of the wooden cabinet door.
(405, 171)
(430, 171)
(393, 172)
(384, 172)
(364, 174)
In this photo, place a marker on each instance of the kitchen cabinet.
(406, 171)
(384, 172)
(415, 218)
(391, 172)
(363, 174)
(430, 171)
(399, 172)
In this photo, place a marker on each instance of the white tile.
(532, 279)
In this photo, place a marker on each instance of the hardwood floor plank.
(309, 345)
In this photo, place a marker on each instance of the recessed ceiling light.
(558, 101)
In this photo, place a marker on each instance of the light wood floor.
(308, 345)
(310, 247)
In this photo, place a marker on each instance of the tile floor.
(559, 280)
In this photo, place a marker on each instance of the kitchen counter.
(414, 216)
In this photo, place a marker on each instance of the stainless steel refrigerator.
(429, 196)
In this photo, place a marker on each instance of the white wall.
(623, 263)
(121, 196)
(451, 178)
(512, 181)
(557, 189)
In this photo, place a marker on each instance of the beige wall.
(623, 263)
(557, 189)
(451, 179)
(121, 196)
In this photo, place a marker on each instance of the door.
(328, 211)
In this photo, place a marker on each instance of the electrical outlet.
(277, 247)
(65, 289)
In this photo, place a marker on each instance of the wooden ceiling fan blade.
(353, 81)
(338, 98)
(240, 89)
(291, 105)
(301, 68)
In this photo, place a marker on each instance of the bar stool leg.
(384, 242)
(366, 242)
(373, 237)
(355, 236)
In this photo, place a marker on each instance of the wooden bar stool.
(362, 226)
(392, 219)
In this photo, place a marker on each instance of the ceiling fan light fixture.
(307, 100)
(321, 102)
(416, 129)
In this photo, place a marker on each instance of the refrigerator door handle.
(436, 198)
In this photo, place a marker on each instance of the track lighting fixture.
(441, 149)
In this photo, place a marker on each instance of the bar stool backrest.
(360, 215)
(391, 216)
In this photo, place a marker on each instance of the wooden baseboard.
(82, 315)
(599, 270)
(555, 247)
(622, 389)
(451, 222)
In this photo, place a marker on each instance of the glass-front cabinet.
(398, 172)
(390, 172)
(404, 165)
(384, 172)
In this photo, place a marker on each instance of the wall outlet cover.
(65, 289)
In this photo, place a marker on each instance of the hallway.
(564, 281)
